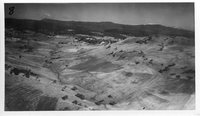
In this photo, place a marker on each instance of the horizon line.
(100, 22)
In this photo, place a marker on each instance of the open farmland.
(47, 69)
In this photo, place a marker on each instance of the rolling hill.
(50, 26)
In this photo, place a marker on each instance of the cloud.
(47, 15)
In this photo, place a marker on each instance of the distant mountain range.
(50, 26)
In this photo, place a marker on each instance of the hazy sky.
(170, 14)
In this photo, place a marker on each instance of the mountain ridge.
(108, 28)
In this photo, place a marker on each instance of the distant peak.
(106, 22)
(152, 24)
(46, 19)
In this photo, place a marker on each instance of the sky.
(180, 15)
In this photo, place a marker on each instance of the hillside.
(68, 65)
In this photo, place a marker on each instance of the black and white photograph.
(99, 56)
